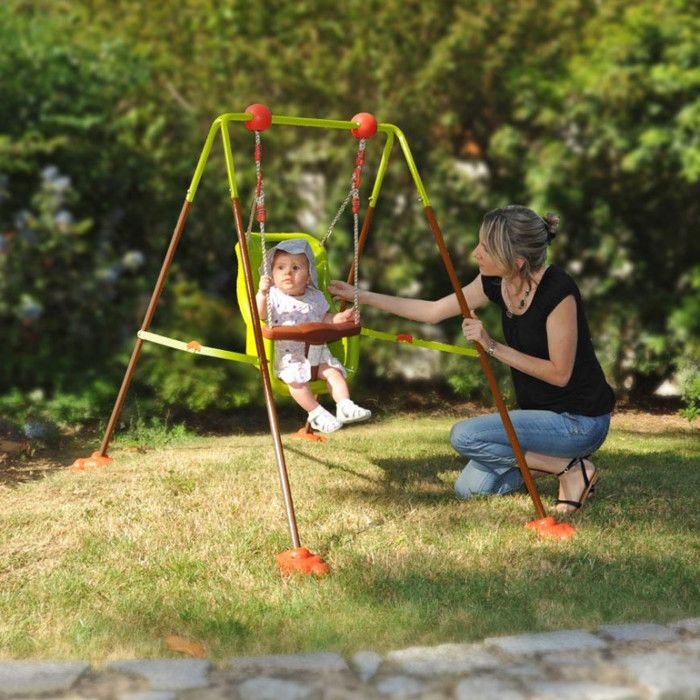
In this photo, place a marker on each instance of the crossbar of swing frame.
(221, 123)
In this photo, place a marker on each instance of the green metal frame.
(221, 124)
(393, 133)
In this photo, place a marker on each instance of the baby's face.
(290, 273)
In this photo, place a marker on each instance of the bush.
(689, 381)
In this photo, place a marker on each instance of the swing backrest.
(347, 350)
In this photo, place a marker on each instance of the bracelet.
(491, 347)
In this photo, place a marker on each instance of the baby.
(295, 298)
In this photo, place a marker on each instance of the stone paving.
(612, 662)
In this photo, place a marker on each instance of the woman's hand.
(473, 329)
(265, 284)
(341, 290)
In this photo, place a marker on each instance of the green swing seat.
(345, 349)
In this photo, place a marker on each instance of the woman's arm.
(562, 338)
(415, 309)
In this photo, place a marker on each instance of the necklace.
(521, 305)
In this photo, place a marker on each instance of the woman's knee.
(478, 480)
(462, 436)
(474, 481)
(466, 486)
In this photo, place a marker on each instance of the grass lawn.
(181, 539)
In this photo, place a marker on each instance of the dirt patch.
(635, 421)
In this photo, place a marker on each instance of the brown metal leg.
(100, 458)
(485, 364)
(369, 215)
(147, 319)
(265, 375)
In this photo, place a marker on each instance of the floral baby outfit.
(291, 364)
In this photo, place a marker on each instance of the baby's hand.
(345, 316)
(265, 284)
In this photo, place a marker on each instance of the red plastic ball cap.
(262, 117)
(367, 128)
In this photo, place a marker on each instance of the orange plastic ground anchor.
(301, 561)
(94, 461)
(549, 527)
(303, 434)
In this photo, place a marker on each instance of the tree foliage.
(588, 109)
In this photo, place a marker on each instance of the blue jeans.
(492, 467)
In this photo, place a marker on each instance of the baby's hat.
(294, 246)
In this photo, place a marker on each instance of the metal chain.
(250, 220)
(345, 203)
(356, 264)
(355, 192)
(354, 197)
(260, 207)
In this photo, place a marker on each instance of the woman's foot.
(324, 421)
(576, 484)
(348, 411)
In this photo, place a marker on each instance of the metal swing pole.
(392, 131)
(146, 324)
(466, 312)
(259, 344)
(100, 458)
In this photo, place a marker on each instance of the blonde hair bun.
(551, 222)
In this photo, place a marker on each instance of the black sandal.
(588, 484)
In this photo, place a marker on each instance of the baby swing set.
(343, 338)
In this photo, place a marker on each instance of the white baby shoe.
(324, 421)
(348, 411)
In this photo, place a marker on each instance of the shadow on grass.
(332, 466)
(563, 587)
(41, 464)
(657, 489)
(400, 478)
(420, 601)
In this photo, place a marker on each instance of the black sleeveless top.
(587, 393)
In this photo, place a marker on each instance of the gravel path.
(612, 662)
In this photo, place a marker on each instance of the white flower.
(133, 259)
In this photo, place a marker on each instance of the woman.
(563, 398)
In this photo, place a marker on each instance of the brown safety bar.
(312, 333)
